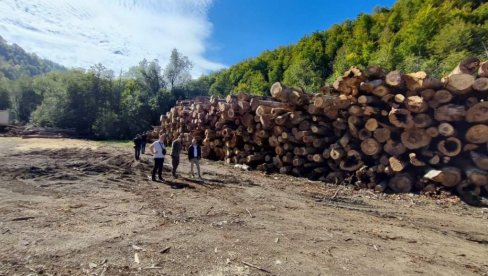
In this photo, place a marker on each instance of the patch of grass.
(127, 144)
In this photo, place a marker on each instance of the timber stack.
(375, 129)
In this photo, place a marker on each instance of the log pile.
(375, 129)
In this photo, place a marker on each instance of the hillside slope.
(15, 62)
(430, 35)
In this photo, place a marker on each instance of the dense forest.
(15, 62)
(429, 35)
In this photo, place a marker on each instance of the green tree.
(178, 69)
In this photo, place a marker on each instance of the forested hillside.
(15, 62)
(429, 35)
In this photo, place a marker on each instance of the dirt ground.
(72, 207)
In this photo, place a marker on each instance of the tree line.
(98, 104)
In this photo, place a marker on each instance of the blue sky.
(214, 34)
(243, 29)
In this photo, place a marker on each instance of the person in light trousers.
(194, 155)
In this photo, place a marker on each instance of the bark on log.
(483, 71)
(421, 81)
(476, 176)
(468, 65)
(450, 113)
(447, 176)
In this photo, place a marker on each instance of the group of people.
(158, 149)
(140, 142)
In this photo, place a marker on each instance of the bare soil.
(73, 207)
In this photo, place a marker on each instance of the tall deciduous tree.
(178, 69)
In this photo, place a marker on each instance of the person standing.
(158, 150)
(194, 155)
(137, 146)
(175, 154)
(143, 142)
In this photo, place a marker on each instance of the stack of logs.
(379, 130)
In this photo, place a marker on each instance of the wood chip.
(136, 258)
(165, 250)
(256, 267)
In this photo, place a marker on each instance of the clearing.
(74, 207)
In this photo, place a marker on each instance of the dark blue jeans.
(137, 152)
(158, 168)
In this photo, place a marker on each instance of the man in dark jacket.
(194, 155)
(137, 146)
(175, 154)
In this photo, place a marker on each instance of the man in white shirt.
(194, 155)
(158, 150)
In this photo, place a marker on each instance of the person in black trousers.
(158, 149)
(137, 146)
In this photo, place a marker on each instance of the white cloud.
(117, 33)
